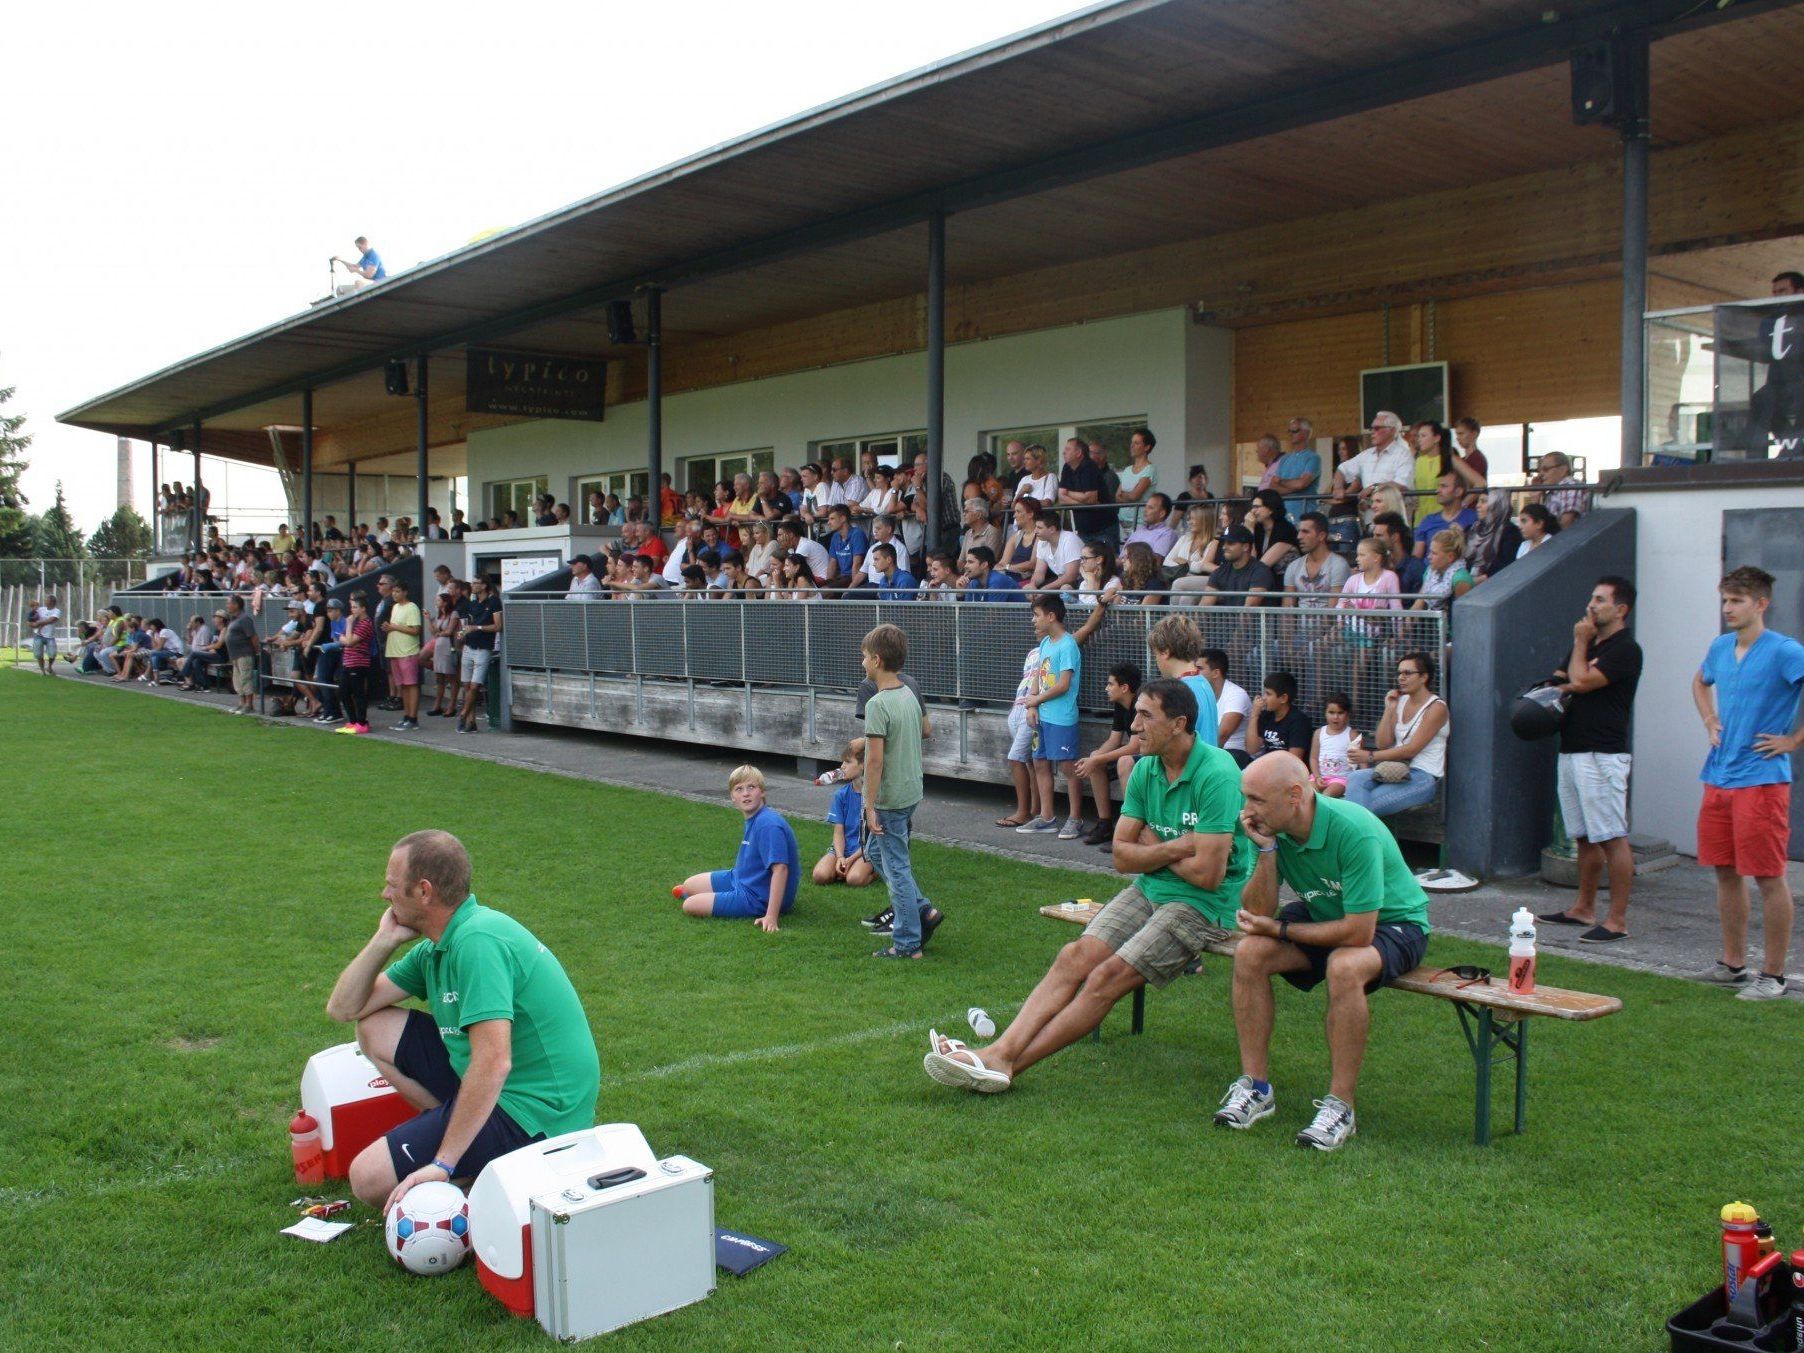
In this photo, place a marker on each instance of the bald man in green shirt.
(1361, 920)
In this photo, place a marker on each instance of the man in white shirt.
(1056, 552)
(44, 619)
(1388, 460)
(685, 551)
(1232, 704)
(584, 585)
(792, 541)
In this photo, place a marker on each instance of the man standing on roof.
(368, 268)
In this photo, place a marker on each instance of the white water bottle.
(1522, 951)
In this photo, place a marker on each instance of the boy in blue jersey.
(1052, 711)
(761, 884)
(846, 863)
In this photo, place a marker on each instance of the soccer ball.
(429, 1229)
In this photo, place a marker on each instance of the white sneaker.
(1762, 988)
(1243, 1105)
(1722, 975)
(1037, 825)
(1332, 1126)
(1072, 829)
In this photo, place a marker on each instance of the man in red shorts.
(1747, 693)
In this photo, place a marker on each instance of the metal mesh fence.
(962, 651)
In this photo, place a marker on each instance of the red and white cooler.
(351, 1102)
(590, 1231)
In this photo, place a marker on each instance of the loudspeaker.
(620, 322)
(1594, 83)
(394, 377)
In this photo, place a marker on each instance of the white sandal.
(949, 1069)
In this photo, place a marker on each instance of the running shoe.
(1243, 1105)
(1332, 1126)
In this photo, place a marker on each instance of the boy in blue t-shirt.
(762, 882)
(846, 863)
(1052, 710)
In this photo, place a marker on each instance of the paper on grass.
(312, 1228)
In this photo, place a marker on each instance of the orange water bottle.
(309, 1154)
(1741, 1246)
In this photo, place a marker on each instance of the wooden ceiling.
(1099, 75)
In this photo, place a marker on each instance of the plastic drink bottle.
(1741, 1247)
(309, 1154)
(1522, 951)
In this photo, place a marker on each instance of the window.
(699, 474)
(623, 484)
(1113, 433)
(890, 448)
(516, 495)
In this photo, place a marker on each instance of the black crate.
(1704, 1325)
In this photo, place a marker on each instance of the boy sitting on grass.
(762, 882)
(846, 863)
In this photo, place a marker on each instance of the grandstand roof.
(1119, 127)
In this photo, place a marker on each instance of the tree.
(56, 540)
(121, 537)
(16, 533)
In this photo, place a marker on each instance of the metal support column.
(200, 507)
(1631, 56)
(654, 407)
(936, 374)
(306, 531)
(419, 397)
(350, 496)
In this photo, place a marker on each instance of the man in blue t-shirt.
(848, 543)
(892, 583)
(985, 582)
(1747, 695)
(1052, 711)
(367, 269)
(761, 884)
(1450, 510)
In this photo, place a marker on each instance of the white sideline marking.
(208, 1169)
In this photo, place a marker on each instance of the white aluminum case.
(621, 1245)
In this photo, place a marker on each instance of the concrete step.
(1651, 856)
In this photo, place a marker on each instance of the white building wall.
(1138, 365)
(1678, 536)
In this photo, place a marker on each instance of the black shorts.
(420, 1055)
(1401, 946)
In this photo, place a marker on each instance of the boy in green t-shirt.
(893, 789)
(1361, 921)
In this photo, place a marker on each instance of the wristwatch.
(1283, 934)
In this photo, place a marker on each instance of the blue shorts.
(1400, 946)
(1058, 742)
(420, 1055)
(730, 902)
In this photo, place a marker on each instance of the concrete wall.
(1512, 631)
(1678, 563)
(1140, 365)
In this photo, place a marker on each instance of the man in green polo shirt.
(1360, 920)
(501, 1056)
(1179, 832)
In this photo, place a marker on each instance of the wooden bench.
(1491, 1016)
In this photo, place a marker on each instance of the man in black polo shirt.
(1081, 482)
(1600, 677)
(480, 614)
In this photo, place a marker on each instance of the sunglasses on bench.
(1468, 974)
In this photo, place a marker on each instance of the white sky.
(175, 176)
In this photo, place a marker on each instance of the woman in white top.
(1038, 483)
(762, 560)
(1538, 526)
(1413, 732)
(799, 582)
(881, 500)
(1184, 564)
(1140, 478)
(1096, 576)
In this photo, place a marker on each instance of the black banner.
(534, 385)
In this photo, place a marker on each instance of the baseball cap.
(1237, 535)
(334, 604)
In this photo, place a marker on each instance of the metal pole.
(419, 397)
(936, 372)
(350, 496)
(307, 467)
(156, 515)
(200, 509)
(1632, 56)
(654, 406)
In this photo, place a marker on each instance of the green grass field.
(184, 888)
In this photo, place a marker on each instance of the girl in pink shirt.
(1371, 587)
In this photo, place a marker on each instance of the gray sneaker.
(1762, 988)
(1072, 829)
(1722, 975)
(1243, 1105)
(1038, 825)
(1332, 1126)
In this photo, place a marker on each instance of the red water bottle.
(1741, 1246)
(309, 1154)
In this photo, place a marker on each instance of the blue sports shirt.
(768, 841)
(1758, 694)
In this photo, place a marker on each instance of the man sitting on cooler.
(501, 1056)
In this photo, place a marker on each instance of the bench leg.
(1139, 1024)
(1484, 1035)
